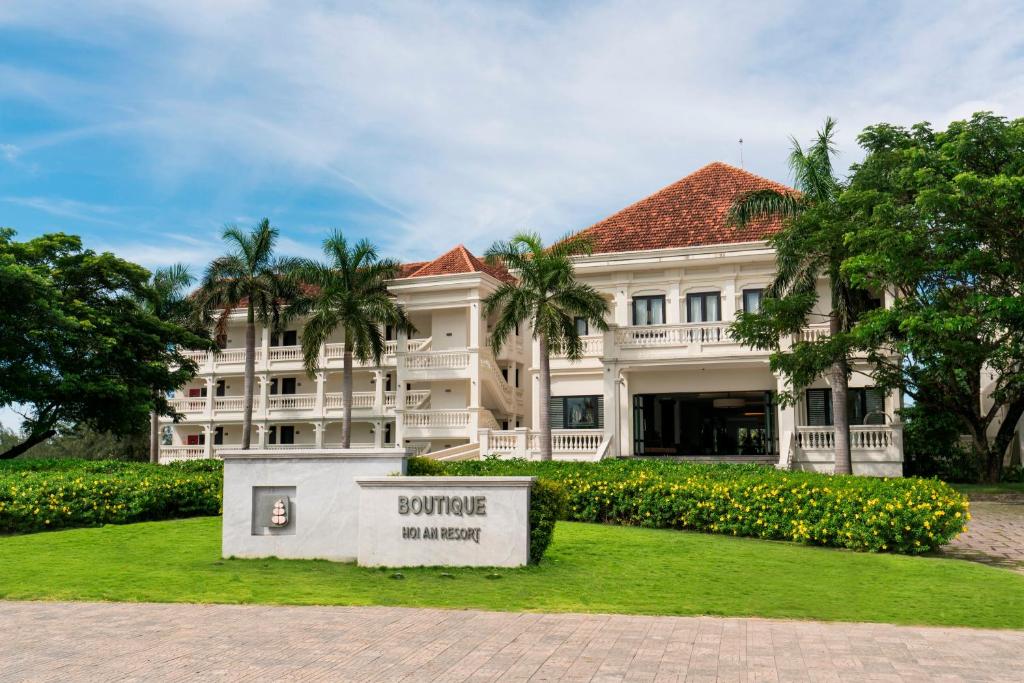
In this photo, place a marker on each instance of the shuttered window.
(865, 406)
(819, 407)
(577, 412)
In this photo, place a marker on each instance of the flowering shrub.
(36, 495)
(860, 513)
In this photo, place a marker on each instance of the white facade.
(666, 380)
(430, 392)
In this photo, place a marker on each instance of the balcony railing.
(437, 418)
(360, 399)
(188, 405)
(593, 346)
(862, 437)
(234, 403)
(436, 360)
(647, 336)
(524, 443)
(292, 402)
(285, 353)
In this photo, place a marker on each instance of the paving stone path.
(995, 535)
(147, 642)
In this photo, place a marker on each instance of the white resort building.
(666, 380)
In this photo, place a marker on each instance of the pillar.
(378, 434)
(319, 428)
(208, 441)
(785, 427)
(211, 389)
(378, 392)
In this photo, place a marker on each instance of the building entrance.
(703, 424)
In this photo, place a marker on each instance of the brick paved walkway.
(145, 642)
(995, 535)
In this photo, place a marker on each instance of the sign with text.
(444, 521)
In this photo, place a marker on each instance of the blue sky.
(146, 126)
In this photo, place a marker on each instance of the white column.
(476, 323)
(321, 392)
(208, 440)
(522, 443)
(319, 428)
(621, 307)
(263, 405)
(729, 300)
(625, 415)
(210, 391)
(611, 405)
(672, 306)
(378, 392)
(400, 349)
(378, 434)
(261, 435)
(787, 422)
(264, 347)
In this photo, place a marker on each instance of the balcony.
(875, 450)
(437, 423)
(450, 364)
(566, 444)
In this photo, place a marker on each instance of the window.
(287, 434)
(703, 307)
(865, 406)
(577, 412)
(220, 387)
(752, 300)
(582, 327)
(288, 385)
(166, 436)
(271, 435)
(286, 338)
(517, 375)
(218, 436)
(649, 310)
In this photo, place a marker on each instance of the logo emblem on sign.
(279, 513)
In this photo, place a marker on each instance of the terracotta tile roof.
(689, 212)
(458, 260)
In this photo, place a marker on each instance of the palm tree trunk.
(346, 398)
(840, 381)
(545, 400)
(250, 375)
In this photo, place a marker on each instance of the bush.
(859, 513)
(932, 447)
(547, 504)
(36, 495)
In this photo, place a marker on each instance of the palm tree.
(809, 246)
(348, 292)
(166, 298)
(249, 275)
(547, 297)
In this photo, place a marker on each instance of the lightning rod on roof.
(741, 152)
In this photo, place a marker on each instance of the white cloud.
(462, 122)
(9, 152)
(67, 208)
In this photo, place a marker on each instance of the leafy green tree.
(546, 296)
(249, 276)
(167, 299)
(810, 246)
(76, 347)
(348, 292)
(941, 216)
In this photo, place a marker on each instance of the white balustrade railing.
(234, 403)
(285, 353)
(188, 405)
(436, 360)
(336, 351)
(176, 453)
(437, 418)
(524, 443)
(235, 356)
(416, 397)
(199, 357)
(647, 336)
(292, 401)
(360, 399)
(812, 333)
(862, 438)
(593, 346)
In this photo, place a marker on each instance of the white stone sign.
(444, 521)
(297, 503)
(349, 504)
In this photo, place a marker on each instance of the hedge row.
(37, 495)
(860, 513)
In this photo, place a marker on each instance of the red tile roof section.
(688, 213)
(458, 260)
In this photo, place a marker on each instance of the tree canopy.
(940, 218)
(76, 346)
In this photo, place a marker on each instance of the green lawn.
(1001, 487)
(588, 568)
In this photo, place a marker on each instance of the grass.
(588, 568)
(1002, 487)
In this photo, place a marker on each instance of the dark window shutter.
(557, 412)
(874, 400)
(600, 412)
(819, 408)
